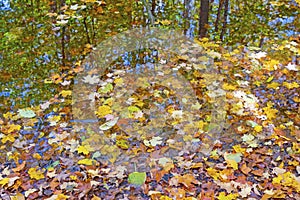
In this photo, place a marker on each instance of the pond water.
(41, 40)
(45, 48)
(4, 5)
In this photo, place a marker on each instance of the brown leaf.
(187, 180)
(20, 167)
(258, 172)
(245, 169)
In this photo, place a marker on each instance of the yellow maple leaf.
(55, 118)
(9, 137)
(273, 85)
(233, 159)
(271, 65)
(7, 115)
(239, 149)
(270, 112)
(34, 173)
(66, 93)
(95, 198)
(85, 149)
(103, 111)
(223, 196)
(86, 162)
(233, 164)
(119, 81)
(258, 128)
(12, 128)
(4, 181)
(227, 86)
(290, 85)
(213, 173)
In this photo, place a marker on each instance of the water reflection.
(4, 5)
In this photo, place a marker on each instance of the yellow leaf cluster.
(223, 196)
(6, 138)
(273, 85)
(270, 112)
(290, 85)
(227, 86)
(62, 197)
(103, 111)
(11, 128)
(34, 173)
(271, 65)
(287, 179)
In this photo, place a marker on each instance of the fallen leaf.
(137, 178)
(34, 173)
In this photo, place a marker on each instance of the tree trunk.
(185, 16)
(153, 7)
(203, 19)
(226, 9)
(221, 2)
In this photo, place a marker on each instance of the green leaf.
(251, 123)
(234, 156)
(26, 113)
(107, 88)
(97, 154)
(137, 178)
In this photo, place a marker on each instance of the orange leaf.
(20, 167)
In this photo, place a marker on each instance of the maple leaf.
(258, 128)
(271, 65)
(233, 159)
(4, 181)
(187, 180)
(227, 86)
(7, 138)
(292, 67)
(66, 93)
(85, 149)
(34, 173)
(290, 85)
(137, 178)
(270, 112)
(26, 113)
(103, 111)
(91, 79)
(258, 55)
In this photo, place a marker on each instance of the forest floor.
(130, 154)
